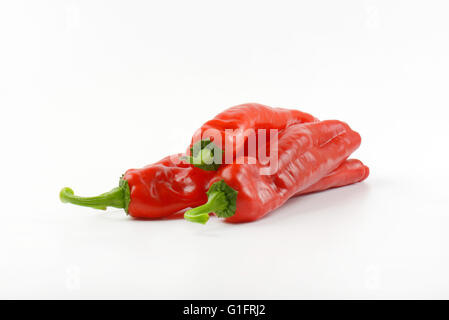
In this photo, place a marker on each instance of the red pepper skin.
(165, 187)
(249, 116)
(157, 198)
(307, 153)
(349, 172)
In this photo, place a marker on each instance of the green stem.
(216, 202)
(117, 198)
(221, 200)
(204, 157)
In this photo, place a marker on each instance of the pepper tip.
(64, 193)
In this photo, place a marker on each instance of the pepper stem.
(117, 198)
(216, 202)
(221, 200)
(205, 155)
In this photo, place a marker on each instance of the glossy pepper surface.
(155, 191)
(349, 172)
(150, 194)
(233, 125)
(307, 153)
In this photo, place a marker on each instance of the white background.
(89, 89)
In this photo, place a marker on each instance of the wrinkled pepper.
(307, 153)
(349, 172)
(240, 119)
(155, 191)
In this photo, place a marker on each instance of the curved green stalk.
(221, 200)
(118, 197)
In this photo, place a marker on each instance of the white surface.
(89, 89)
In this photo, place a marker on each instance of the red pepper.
(155, 191)
(307, 153)
(240, 119)
(349, 172)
